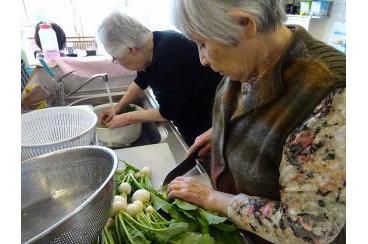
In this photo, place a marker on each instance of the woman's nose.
(203, 59)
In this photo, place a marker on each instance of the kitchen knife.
(182, 168)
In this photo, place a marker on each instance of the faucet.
(103, 76)
(60, 92)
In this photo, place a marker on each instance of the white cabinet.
(303, 21)
(321, 27)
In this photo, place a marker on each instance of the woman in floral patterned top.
(277, 141)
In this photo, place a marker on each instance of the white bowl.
(117, 136)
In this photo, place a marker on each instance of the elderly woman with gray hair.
(278, 132)
(168, 63)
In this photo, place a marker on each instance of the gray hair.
(118, 32)
(209, 18)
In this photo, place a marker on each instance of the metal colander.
(67, 195)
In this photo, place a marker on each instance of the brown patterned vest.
(252, 121)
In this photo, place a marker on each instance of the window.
(81, 18)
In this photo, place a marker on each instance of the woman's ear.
(247, 21)
(134, 51)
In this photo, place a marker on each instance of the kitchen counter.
(156, 156)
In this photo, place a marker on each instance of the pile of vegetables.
(128, 108)
(141, 214)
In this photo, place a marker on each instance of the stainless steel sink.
(94, 100)
(152, 132)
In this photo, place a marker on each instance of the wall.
(73, 81)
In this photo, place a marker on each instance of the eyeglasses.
(115, 60)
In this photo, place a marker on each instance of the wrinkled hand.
(121, 120)
(189, 189)
(203, 141)
(107, 115)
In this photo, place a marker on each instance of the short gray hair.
(118, 32)
(209, 18)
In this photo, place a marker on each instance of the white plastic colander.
(52, 129)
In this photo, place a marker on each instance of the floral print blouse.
(312, 180)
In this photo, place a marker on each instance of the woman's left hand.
(189, 189)
(121, 120)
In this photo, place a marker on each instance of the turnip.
(119, 171)
(133, 209)
(110, 222)
(138, 175)
(125, 187)
(141, 195)
(120, 198)
(141, 205)
(150, 209)
(119, 203)
(146, 171)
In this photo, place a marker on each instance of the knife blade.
(182, 168)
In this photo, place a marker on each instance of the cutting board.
(156, 156)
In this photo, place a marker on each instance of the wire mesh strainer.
(67, 195)
(52, 129)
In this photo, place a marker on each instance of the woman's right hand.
(107, 115)
(204, 141)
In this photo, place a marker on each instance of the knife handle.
(194, 155)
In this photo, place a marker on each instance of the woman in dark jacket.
(168, 63)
